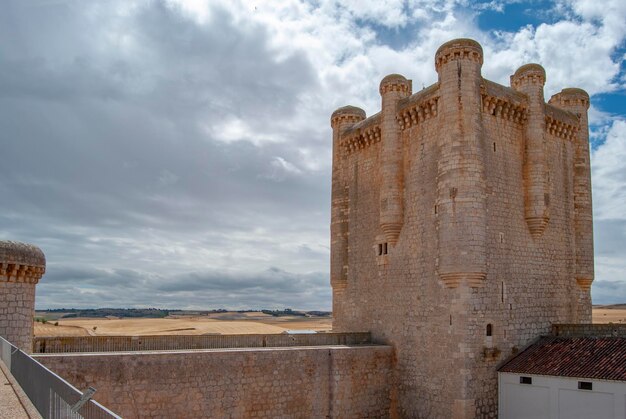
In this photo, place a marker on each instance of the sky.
(177, 153)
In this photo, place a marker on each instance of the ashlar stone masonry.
(461, 226)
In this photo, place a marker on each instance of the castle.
(461, 230)
(461, 226)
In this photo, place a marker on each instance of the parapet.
(349, 114)
(570, 97)
(459, 48)
(21, 262)
(528, 73)
(395, 82)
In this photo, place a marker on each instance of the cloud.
(178, 152)
(67, 287)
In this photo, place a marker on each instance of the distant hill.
(67, 313)
(620, 306)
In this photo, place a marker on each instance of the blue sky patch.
(515, 16)
(613, 103)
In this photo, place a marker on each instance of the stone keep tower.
(21, 267)
(461, 226)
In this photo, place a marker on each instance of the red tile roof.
(584, 357)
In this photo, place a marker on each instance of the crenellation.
(561, 124)
(417, 113)
(458, 49)
(356, 139)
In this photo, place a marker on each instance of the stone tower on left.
(21, 267)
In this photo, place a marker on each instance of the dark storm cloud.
(111, 119)
(70, 287)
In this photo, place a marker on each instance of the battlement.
(458, 49)
(528, 74)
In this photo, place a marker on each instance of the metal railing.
(51, 395)
(50, 345)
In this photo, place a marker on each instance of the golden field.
(609, 314)
(222, 323)
(226, 324)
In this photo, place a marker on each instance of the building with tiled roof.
(578, 372)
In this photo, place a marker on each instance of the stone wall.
(589, 330)
(59, 344)
(17, 309)
(332, 381)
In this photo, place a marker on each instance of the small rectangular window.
(585, 385)
(525, 380)
(380, 249)
(384, 248)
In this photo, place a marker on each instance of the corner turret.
(21, 267)
(577, 102)
(461, 189)
(392, 88)
(530, 79)
(340, 120)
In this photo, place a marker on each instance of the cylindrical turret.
(461, 185)
(341, 119)
(577, 102)
(21, 267)
(530, 79)
(392, 88)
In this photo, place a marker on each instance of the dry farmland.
(226, 323)
(222, 323)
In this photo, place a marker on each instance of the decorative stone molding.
(454, 279)
(502, 108)
(418, 113)
(458, 49)
(584, 283)
(536, 225)
(361, 139)
(10, 272)
(21, 262)
(560, 129)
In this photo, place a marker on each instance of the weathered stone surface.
(495, 233)
(313, 382)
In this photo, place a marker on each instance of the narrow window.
(489, 329)
(450, 319)
(585, 385)
(525, 380)
(494, 146)
(435, 209)
(384, 248)
(380, 249)
(502, 292)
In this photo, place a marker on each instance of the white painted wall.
(559, 398)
